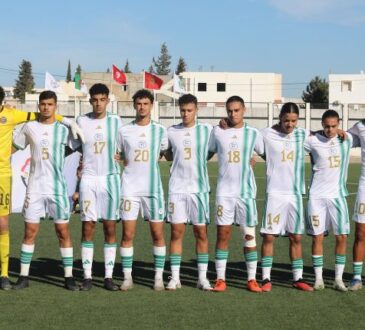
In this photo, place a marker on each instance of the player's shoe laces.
(5, 283)
(204, 285)
(158, 285)
(110, 285)
(339, 286)
(87, 284)
(127, 284)
(355, 284)
(303, 286)
(70, 284)
(319, 285)
(220, 285)
(21, 283)
(266, 285)
(173, 284)
(253, 286)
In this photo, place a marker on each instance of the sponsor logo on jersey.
(3, 120)
(287, 145)
(99, 137)
(333, 151)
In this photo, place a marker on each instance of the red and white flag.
(119, 76)
(151, 81)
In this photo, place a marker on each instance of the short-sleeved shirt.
(358, 133)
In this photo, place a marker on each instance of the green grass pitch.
(45, 304)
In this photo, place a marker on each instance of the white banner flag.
(52, 84)
(178, 85)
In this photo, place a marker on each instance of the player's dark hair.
(235, 98)
(143, 94)
(188, 98)
(288, 107)
(2, 95)
(45, 95)
(99, 89)
(330, 114)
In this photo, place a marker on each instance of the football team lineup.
(108, 194)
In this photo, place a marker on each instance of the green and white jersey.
(358, 133)
(189, 146)
(101, 136)
(47, 150)
(284, 154)
(330, 160)
(141, 147)
(235, 147)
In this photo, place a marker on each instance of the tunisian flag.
(119, 76)
(151, 81)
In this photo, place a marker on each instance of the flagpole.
(111, 83)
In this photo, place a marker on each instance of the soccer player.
(46, 190)
(327, 206)
(358, 133)
(188, 189)
(100, 184)
(142, 142)
(285, 185)
(236, 189)
(9, 118)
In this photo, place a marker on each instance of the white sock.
(87, 256)
(127, 261)
(67, 260)
(26, 255)
(110, 251)
(159, 254)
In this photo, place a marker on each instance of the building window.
(202, 87)
(346, 86)
(221, 87)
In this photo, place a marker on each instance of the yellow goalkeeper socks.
(4, 253)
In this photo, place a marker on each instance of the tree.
(107, 70)
(68, 74)
(152, 67)
(181, 66)
(126, 67)
(78, 69)
(25, 82)
(316, 92)
(163, 62)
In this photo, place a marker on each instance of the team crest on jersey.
(44, 143)
(142, 144)
(233, 146)
(287, 145)
(186, 143)
(3, 120)
(333, 151)
(99, 137)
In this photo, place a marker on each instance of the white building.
(347, 89)
(216, 87)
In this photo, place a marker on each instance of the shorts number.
(26, 202)
(315, 220)
(171, 208)
(272, 219)
(361, 208)
(234, 157)
(85, 205)
(127, 205)
(220, 210)
(4, 199)
(335, 161)
(287, 156)
(45, 153)
(142, 155)
(98, 147)
(187, 152)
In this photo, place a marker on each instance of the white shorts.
(152, 208)
(37, 207)
(359, 209)
(240, 211)
(100, 198)
(327, 213)
(283, 214)
(188, 208)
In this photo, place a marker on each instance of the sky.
(297, 38)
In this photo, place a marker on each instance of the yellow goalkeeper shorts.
(5, 195)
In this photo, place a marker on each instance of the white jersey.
(101, 136)
(330, 160)
(189, 146)
(235, 147)
(358, 133)
(47, 149)
(284, 154)
(141, 147)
